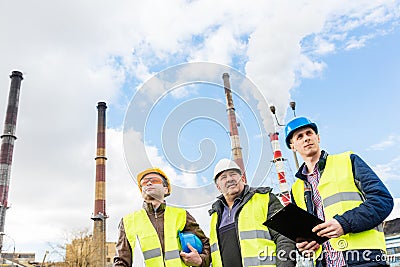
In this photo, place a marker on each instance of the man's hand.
(330, 229)
(192, 258)
(307, 249)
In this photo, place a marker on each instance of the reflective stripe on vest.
(138, 226)
(152, 253)
(344, 196)
(340, 194)
(256, 246)
(214, 247)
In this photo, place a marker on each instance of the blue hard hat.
(192, 239)
(296, 124)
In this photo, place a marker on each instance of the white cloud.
(324, 46)
(358, 42)
(396, 210)
(212, 50)
(391, 141)
(389, 171)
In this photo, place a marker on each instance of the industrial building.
(392, 237)
(82, 251)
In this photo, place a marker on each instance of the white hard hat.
(224, 165)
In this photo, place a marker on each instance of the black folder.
(296, 224)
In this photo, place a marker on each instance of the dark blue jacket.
(377, 205)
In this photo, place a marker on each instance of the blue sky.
(337, 59)
(354, 102)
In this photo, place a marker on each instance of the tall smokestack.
(278, 161)
(7, 146)
(99, 216)
(233, 126)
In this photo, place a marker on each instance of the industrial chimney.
(233, 126)
(7, 146)
(278, 161)
(99, 217)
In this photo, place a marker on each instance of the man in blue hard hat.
(238, 237)
(156, 227)
(343, 191)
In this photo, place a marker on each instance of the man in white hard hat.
(238, 237)
(156, 227)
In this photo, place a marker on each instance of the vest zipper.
(155, 212)
(155, 216)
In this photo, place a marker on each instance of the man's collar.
(322, 161)
(321, 165)
(149, 207)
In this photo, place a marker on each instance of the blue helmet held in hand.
(192, 239)
(296, 124)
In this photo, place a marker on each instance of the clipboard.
(296, 224)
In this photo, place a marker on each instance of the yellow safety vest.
(138, 225)
(340, 194)
(256, 246)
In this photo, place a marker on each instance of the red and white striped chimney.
(278, 161)
(99, 217)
